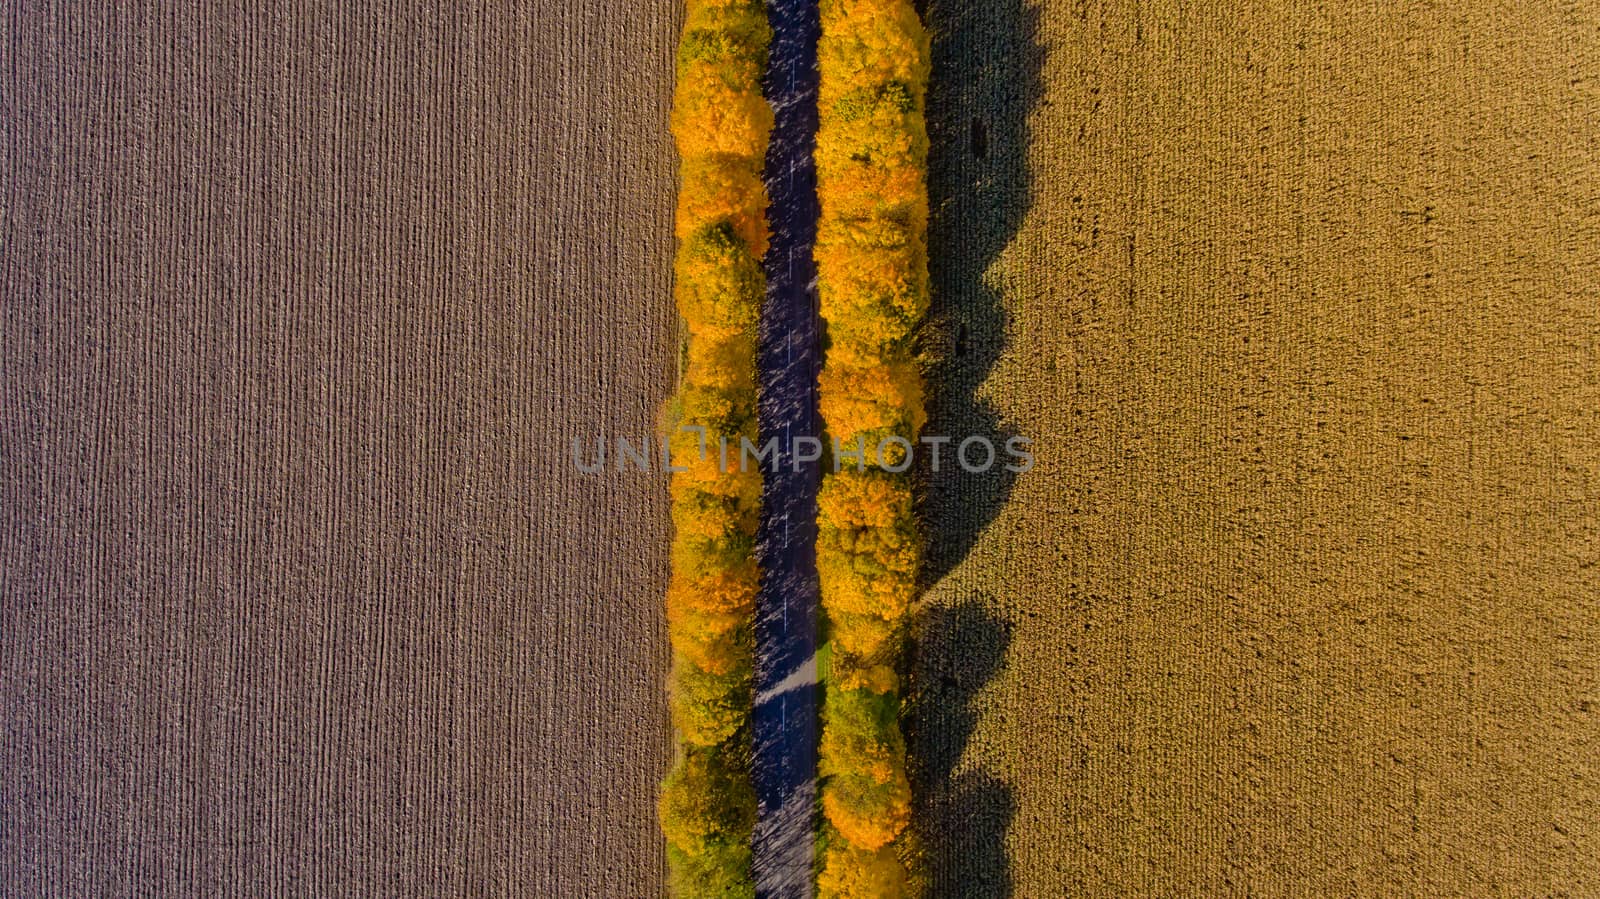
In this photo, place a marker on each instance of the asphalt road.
(786, 712)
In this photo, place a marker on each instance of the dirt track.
(1302, 309)
(300, 304)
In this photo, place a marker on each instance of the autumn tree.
(871, 256)
(721, 123)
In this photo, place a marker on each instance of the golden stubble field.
(302, 303)
(1301, 307)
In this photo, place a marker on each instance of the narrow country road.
(787, 700)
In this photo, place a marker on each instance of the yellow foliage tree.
(872, 281)
(850, 872)
(721, 123)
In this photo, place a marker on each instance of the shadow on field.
(963, 816)
(985, 82)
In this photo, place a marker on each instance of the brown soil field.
(302, 304)
(1300, 304)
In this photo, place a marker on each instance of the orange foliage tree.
(721, 124)
(872, 277)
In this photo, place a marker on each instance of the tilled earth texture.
(1300, 304)
(300, 594)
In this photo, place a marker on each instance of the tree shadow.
(962, 817)
(986, 63)
(985, 81)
